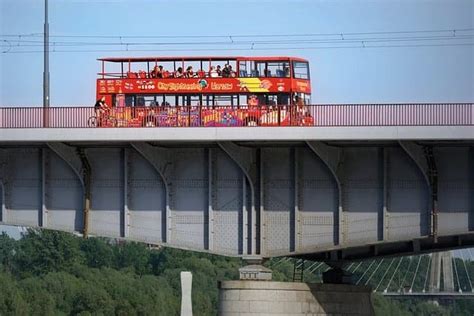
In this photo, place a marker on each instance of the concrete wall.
(259, 298)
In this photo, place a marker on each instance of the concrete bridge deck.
(215, 134)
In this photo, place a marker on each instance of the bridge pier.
(245, 297)
(255, 294)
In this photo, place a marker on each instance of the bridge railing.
(331, 115)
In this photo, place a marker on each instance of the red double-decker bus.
(205, 91)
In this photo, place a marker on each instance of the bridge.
(440, 276)
(363, 181)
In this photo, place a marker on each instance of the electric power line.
(361, 46)
(413, 38)
(453, 31)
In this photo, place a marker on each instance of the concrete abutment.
(246, 298)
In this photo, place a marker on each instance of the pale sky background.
(339, 75)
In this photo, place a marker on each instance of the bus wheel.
(251, 121)
(92, 121)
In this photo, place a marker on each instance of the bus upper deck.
(202, 67)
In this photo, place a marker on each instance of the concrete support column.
(448, 278)
(246, 298)
(435, 273)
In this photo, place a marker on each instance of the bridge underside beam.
(323, 201)
(387, 249)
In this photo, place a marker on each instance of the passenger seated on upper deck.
(213, 72)
(226, 71)
(157, 72)
(189, 72)
(232, 72)
(219, 71)
(179, 73)
(154, 72)
(287, 72)
(142, 74)
(201, 73)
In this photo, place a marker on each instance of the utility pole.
(46, 66)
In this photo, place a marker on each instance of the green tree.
(45, 251)
(11, 299)
(134, 255)
(7, 251)
(97, 252)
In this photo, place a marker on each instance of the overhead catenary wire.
(35, 43)
(230, 42)
(451, 30)
(244, 49)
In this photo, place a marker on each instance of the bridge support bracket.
(425, 161)
(79, 163)
(247, 159)
(160, 160)
(333, 158)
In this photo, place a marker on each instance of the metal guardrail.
(333, 115)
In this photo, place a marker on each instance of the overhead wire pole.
(46, 67)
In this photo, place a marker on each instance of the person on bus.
(300, 108)
(213, 72)
(252, 101)
(226, 71)
(232, 72)
(201, 73)
(179, 73)
(219, 71)
(154, 72)
(157, 72)
(189, 72)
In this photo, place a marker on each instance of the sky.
(426, 70)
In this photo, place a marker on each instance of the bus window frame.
(294, 72)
